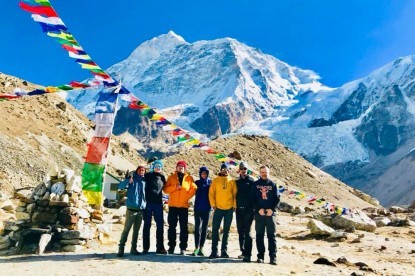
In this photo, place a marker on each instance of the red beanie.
(183, 163)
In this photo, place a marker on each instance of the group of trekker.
(251, 200)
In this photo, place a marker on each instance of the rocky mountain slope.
(41, 131)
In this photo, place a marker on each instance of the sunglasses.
(243, 169)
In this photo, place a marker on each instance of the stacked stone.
(55, 214)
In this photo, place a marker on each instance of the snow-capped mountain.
(212, 87)
(355, 132)
(359, 131)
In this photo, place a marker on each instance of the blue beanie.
(156, 163)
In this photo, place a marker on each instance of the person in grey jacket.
(136, 203)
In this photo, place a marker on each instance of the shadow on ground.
(150, 257)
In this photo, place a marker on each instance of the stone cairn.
(52, 216)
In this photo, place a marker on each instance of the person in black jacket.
(266, 198)
(155, 181)
(244, 211)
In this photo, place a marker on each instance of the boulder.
(338, 235)
(70, 235)
(44, 218)
(397, 209)
(10, 226)
(22, 216)
(5, 243)
(401, 222)
(285, 207)
(23, 194)
(357, 219)
(83, 213)
(30, 208)
(68, 219)
(104, 228)
(297, 210)
(382, 221)
(44, 242)
(318, 228)
(88, 232)
(6, 205)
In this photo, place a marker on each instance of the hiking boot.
(170, 251)
(224, 255)
(214, 256)
(161, 251)
(260, 261)
(246, 259)
(200, 254)
(120, 251)
(195, 252)
(134, 251)
(273, 262)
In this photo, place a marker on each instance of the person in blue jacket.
(136, 203)
(202, 210)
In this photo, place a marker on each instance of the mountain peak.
(151, 49)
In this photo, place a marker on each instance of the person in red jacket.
(180, 187)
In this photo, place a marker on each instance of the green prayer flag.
(92, 177)
(219, 156)
(65, 87)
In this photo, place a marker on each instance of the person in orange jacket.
(180, 187)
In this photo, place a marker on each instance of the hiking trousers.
(180, 215)
(244, 218)
(153, 210)
(201, 226)
(218, 215)
(132, 218)
(263, 223)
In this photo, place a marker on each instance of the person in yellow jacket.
(180, 187)
(222, 198)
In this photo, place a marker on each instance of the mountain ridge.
(223, 86)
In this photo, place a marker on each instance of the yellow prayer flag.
(51, 89)
(94, 198)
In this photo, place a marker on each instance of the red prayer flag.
(97, 150)
(78, 84)
(43, 10)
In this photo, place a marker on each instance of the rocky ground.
(387, 251)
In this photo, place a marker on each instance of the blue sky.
(341, 40)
